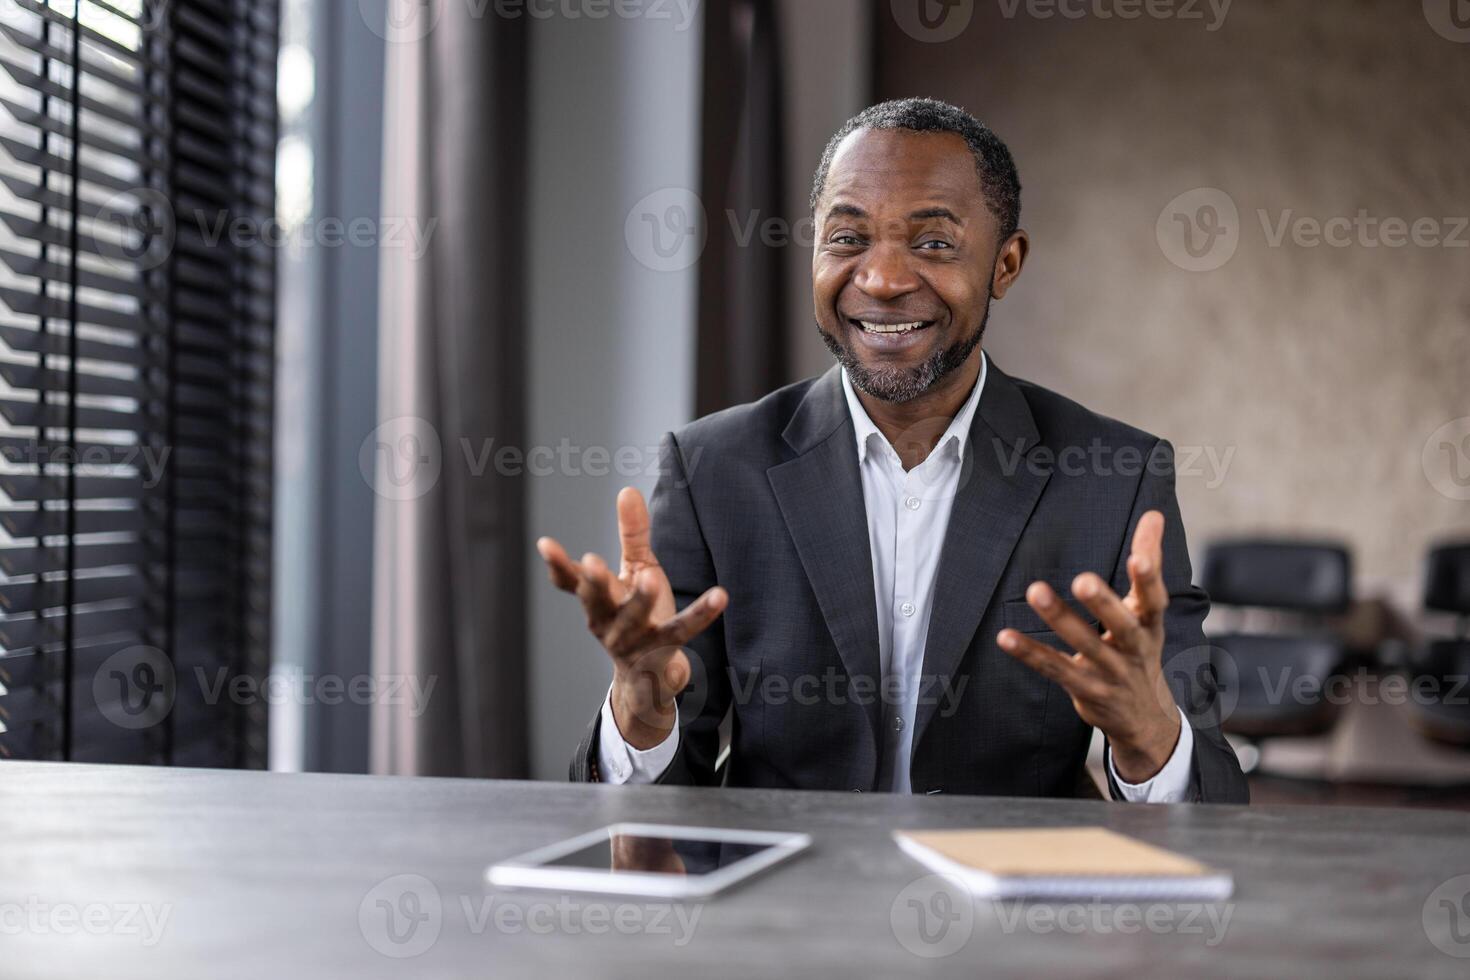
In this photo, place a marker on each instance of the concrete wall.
(1324, 370)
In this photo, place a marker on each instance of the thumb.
(634, 528)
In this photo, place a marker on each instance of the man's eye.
(935, 245)
(845, 239)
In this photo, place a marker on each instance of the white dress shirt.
(908, 514)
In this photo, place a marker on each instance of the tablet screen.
(658, 855)
(662, 860)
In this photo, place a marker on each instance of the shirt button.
(907, 608)
(912, 503)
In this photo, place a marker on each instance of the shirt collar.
(956, 436)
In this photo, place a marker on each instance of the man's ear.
(1008, 262)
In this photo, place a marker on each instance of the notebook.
(1063, 862)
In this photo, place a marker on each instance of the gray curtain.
(742, 285)
(448, 590)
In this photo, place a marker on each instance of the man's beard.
(905, 384)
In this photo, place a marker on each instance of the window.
(137, 145)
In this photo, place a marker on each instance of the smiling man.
(885, 577)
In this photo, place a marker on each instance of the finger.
(694, 620)
(565, 573)
(1074, 631)
(631, 624)
(634, 530)
(1104, 603)
(641, 597)
(1048, 661)
(1146, 570)
(596, 566)
(595, 589)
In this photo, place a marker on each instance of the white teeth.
(890, 327)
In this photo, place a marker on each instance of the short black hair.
(993, 160)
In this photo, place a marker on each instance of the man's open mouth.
(894, 329)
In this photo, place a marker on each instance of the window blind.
(137, 146)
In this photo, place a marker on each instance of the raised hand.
(1116, 680)
(633, 615)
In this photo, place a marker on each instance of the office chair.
(1273, 683)
(1441, 667)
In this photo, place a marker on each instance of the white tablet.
(657, 860)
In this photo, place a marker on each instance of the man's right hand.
(634, 617)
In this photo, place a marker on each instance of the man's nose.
(886, 273)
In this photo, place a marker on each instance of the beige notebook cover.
(1072, 861)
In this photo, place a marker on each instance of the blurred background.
(585, 223)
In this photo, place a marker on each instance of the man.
(892, 544)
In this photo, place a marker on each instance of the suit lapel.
(999, 488)
(820, 494)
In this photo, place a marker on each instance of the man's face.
(905, 255)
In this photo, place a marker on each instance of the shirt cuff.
(619, 763)
(1171, 783)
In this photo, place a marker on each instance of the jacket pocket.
(1019, 616)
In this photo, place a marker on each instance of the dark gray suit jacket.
(766, 501)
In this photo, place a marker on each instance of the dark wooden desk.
(266, 875)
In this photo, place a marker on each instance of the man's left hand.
(1116, 679)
